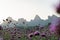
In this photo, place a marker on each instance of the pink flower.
(58, 30)
(55, 27)
(43, 35)
(36, 33)
(52, 28)
(30, 35)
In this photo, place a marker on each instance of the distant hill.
(9, 22)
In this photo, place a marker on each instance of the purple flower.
(43, 35)
(30, 35)
(36, 33)
(52, 28)
(55, 27)
(58, 30)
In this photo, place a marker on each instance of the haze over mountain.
(9, 22)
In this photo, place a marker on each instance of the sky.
(27, 9)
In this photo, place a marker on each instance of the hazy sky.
(26, 8)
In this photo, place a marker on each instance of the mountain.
(21, 22)
(35, 22)
(9, 22)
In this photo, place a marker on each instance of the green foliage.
(23, 38)
(6, 36)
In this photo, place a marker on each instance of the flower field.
(42, 33)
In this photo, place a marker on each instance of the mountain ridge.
(9, 22)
